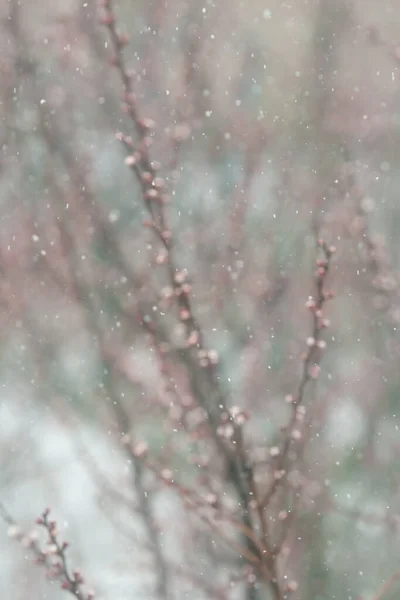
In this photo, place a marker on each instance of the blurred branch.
(387, 586)
(310, 371)
(205, 382)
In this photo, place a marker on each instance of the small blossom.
(167, 474)
(78, 577)
(282, 515)
(274, 451)
(314, 371)
(130, 160)
(239, 416)
(234, 411)
(161, 258)
(179, 277)
(292, 586)
(226, 431)
(186, 288)
(167, 292)
(212, 499)
(123, 39)
(151, 194)
(27, 541)
(140, 449)
(311, 304)
(146, 177)
(106, 19)
(310, 342)
(193, 338)
(242, 418)
(166, 235)
(300, 413)
(289, 399)
(251, 578)
(159, 182)
(213, 357)
(146, 123)
(321, 344)
(296, 434)
(329, 295)
(65, 585)
(14, 531)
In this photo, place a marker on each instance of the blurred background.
(275, 123)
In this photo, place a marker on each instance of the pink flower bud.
(292, 586)
(310, 304)
(274, 451)
(140, 449)
(314, 371)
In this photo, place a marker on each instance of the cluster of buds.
(182, 286)
(328, 250)
(234, 416)
(313, 307)
(323, 263)
(238, 415)
(138, 449)
(311, 342)
(226, 431)
(311, 370)
(208, 357)
(231, 422)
